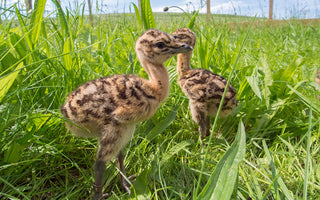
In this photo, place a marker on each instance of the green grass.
(42, 60)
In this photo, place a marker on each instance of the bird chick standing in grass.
(203, 88)
(110, 107)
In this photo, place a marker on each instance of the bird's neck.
(158, 79)
(183, 63)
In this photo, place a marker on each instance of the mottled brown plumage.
(110, 107)
(203, 88)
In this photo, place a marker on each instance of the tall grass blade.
(36, 19)
(7, 81)
(307, 101)
(62, 18)
(235, 61)
(192, 20)
(277, 180)
(14, 188)
(306, 173)
(222, 181)
(174, 150)
(24, 29)
(147, 15)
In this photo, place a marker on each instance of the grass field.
(42, 60)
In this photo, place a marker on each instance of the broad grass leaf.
(39, 119)
(192, 20)
(7, 81)
(268, 81)
(13, 154)
(254, 84)
(7, 58)
(18, 44)
(287, 74)
(162, 125)
(67, 60)
(36, 19)
(140, 186)
(222, 181)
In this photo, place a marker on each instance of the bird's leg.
(105, 153)
(125, 184)
(99, 169)
(199, 117)
(207, 124)
(202, 121)
(202, 129)
(123, 175)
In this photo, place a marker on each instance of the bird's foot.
(97, 189)
(126, 185)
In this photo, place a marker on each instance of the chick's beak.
(183, 48)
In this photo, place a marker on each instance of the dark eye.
(160, 45)
(175, 37)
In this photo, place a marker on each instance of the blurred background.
(282, 9)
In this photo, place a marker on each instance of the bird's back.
(117, 99)
(203, 86)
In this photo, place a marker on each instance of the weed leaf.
(222, 181)
(136, 10)
(147, 15)
(254, 84)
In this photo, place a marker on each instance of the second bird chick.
(203, 88)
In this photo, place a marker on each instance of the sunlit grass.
(274, 79)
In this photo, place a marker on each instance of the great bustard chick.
(203, 88)
(110, 107)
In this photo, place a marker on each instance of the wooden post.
(270, 9)
(208, 11)
(29, 5)
(139, 6)
(90, 12)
